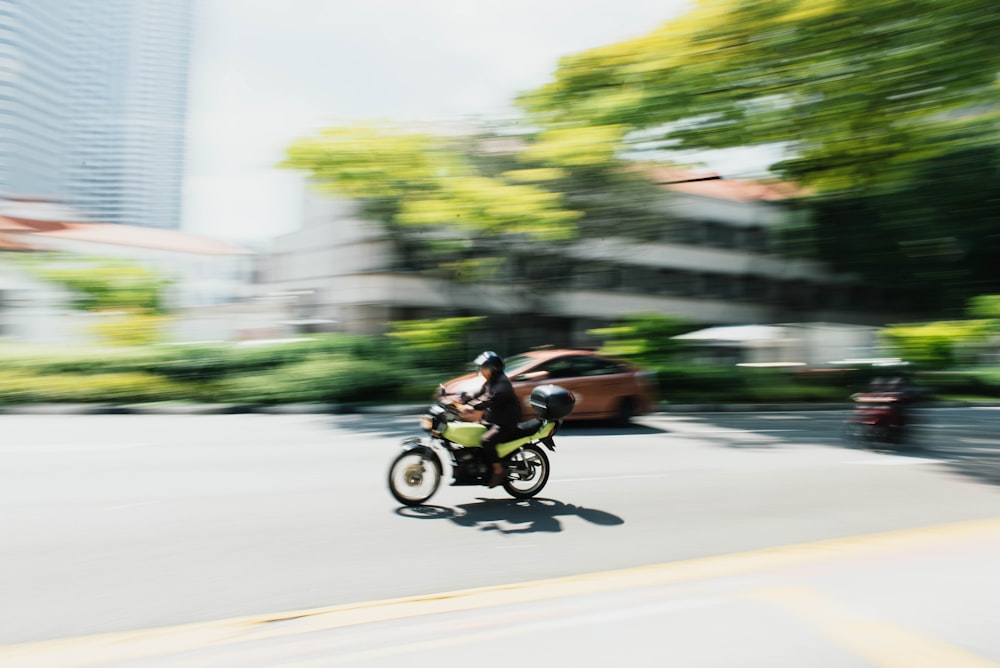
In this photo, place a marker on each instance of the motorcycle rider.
(501, 410)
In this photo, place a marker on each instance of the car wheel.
(626, 411)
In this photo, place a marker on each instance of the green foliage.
(114, 388)
(885, 113)
(986, 307)
(935, 345)
(131, 328)
(692, 384)
(491, 206)
(108, 285)
(926, 247)
(962, 383)
(855, 91)
(329, 368)
(342, 369)
(323, 380)
(128, 296)
(423, 180)
(435, 344)
(644, 338)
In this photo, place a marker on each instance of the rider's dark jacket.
(498, 402)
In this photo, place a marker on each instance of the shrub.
(337, 379)
(972, 383)
(697, 383)
(17, 388)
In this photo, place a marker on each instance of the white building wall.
(733, 212)
(199, 279)
(348, 263)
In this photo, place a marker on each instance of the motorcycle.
(877, 420)
(416, 472)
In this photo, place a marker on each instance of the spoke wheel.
(528, 471)
(413, 478)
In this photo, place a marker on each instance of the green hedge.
(336, 368)
(969, 383)
(354, 369)
(16, 388)
(322, 380)
(730, 383)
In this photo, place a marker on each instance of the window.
(577, 366)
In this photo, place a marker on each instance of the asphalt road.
(117, 523)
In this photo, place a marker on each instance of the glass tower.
(93, 99)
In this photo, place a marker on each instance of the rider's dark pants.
(495, 434)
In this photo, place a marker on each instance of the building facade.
(210, 294)
(93, 100)
(713, 263)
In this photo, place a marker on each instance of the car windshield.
(517, 363)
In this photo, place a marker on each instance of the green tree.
(421, 180)
(926, 247)
(129, 295)
(858, 93)
(644, 338)
(103, 285)
(886, 113)
(936, 345)
(435, 344)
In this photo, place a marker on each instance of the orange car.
(605, 388)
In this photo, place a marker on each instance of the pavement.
(842, 602)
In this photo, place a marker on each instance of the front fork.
(426, 452)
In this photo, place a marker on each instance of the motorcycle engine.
(469, 468)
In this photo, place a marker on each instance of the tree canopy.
(856, 92)
(419, 179)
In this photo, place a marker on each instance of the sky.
(265, 72)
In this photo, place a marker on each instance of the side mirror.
(533, 375)
(464, 396)
(441, 391)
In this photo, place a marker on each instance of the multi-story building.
(93, 99)
(713, 263)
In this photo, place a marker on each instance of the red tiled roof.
(710, 184)
(117, 235)
(14, 224)
(9, 242)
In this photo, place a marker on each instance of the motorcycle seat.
(528, 427)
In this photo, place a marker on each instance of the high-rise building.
(93, 99)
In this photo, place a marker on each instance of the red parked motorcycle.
(878, 419)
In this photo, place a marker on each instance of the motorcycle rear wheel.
(413, 478)
(529, 471)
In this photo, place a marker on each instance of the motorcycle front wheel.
(528, 471)
(413, 478)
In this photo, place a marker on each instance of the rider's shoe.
(497, 479)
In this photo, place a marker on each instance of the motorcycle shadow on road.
(511, 516)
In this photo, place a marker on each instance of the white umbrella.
(736, 333)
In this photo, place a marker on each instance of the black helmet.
(490, 359)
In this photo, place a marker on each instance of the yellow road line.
(82, 652)
(882, 644)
